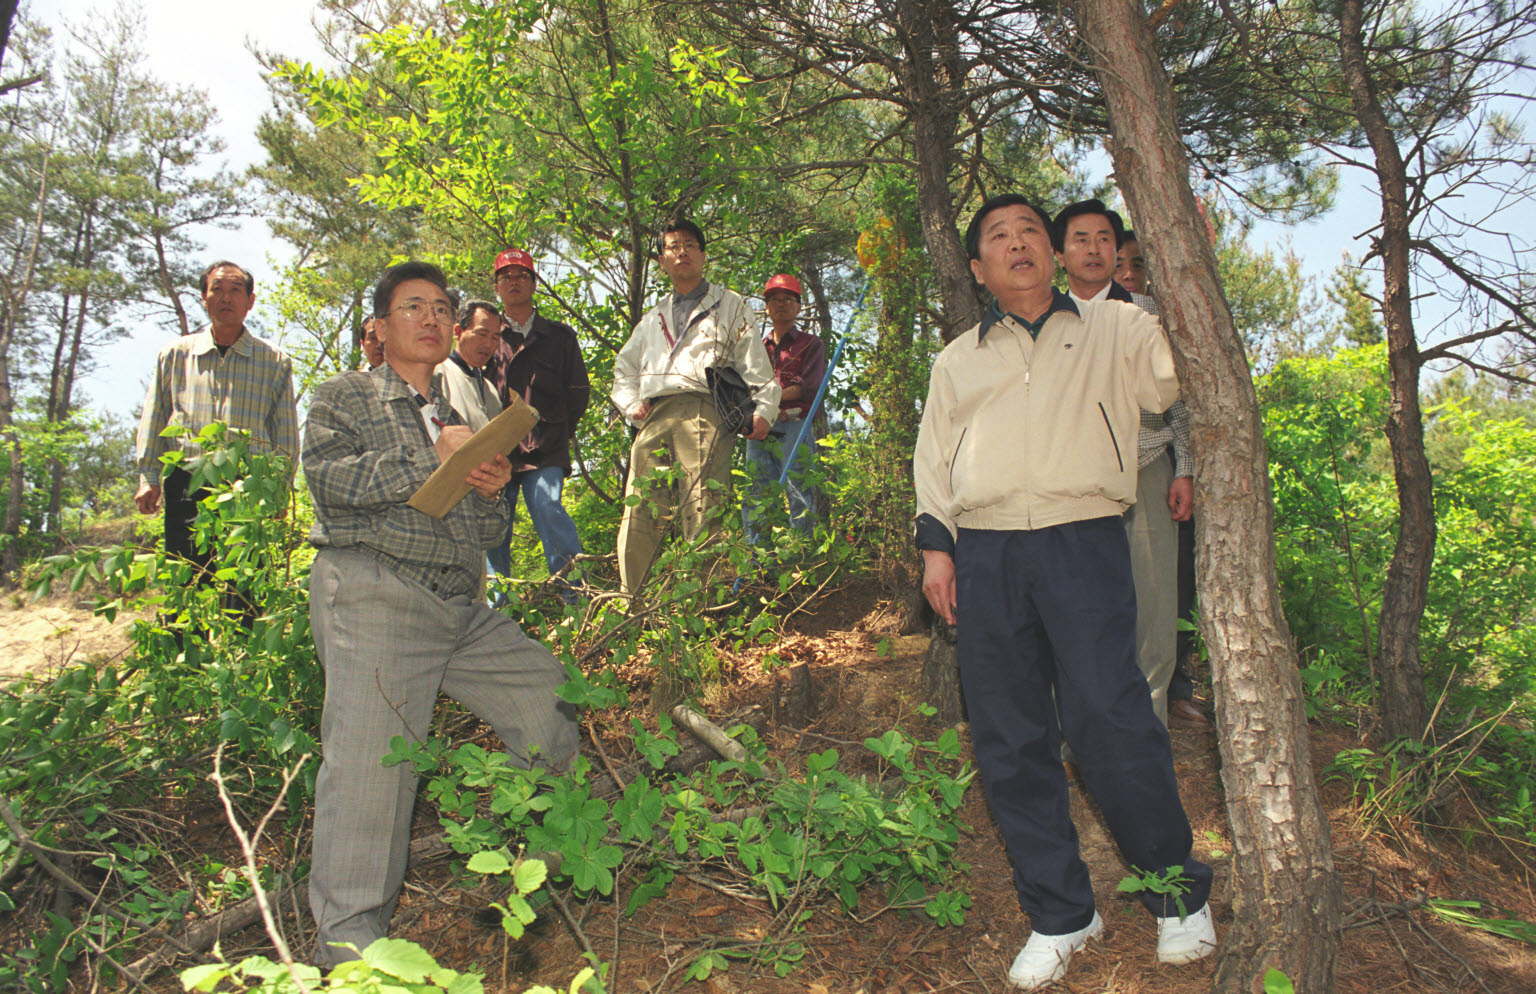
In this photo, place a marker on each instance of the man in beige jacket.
(1025, 463)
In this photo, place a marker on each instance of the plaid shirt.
(1158, 431)
(249, 387)
(366, 450)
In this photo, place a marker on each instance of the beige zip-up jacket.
(722, 330)
(1022, 433)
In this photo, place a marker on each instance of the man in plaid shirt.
(221, 373)
(396, 613)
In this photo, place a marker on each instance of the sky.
(202, 45)
(206, 46)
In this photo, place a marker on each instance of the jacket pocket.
(1114, 442)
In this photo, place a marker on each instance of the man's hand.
(641, 412)
(759, 428)
(449, 438)
(148, 498)
(939, 583)
(489, 478)
(1181, 498)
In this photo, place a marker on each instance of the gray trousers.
(1154, 538)
(388, 646)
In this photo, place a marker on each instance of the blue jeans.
(557, 532)
(765, 463)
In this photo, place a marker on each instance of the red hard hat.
(514, 257)
(784, 281)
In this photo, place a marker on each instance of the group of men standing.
(395, 595)
(1045, 533)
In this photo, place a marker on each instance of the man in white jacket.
(659, 382)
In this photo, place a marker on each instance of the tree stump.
(794, 697)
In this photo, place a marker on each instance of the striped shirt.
(249, 387)
(366, 450)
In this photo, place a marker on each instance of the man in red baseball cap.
(799, 364)
(539, 361)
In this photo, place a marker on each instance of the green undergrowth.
(104, 768)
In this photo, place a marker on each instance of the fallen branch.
(709, 733)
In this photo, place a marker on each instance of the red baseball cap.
(514, 257)
(784, 281)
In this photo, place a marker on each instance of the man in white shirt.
(660, 385)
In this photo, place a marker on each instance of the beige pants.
(681, 434)
(1154, 538)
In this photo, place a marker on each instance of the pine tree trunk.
(1284, 895)
(933, 79)
(1401, 697)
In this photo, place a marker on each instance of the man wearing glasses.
(395, 610)
(661, 383)
(539, 361)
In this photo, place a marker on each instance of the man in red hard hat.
(539, 361)
(799, 364)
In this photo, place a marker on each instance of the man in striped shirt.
(220, 373)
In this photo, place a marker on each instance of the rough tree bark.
(1285, 898)
(1401, 697)
(933, 80)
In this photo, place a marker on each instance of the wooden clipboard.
(446, 487)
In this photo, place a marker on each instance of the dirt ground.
(54, 632)
(861, 693)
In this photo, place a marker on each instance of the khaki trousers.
(682, 436)
(1154, 538)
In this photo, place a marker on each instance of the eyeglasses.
(515, 276)
(416, 311)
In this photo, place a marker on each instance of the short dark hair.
(467, 312)
(1128, 236)
(679, 224)
(250, 281)
(1059, 228)
(973, 230)
(392, 277)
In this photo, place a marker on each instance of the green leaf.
(205, 977)
(400, 958)
(529, 875)
(489, 862)
(1276, 982)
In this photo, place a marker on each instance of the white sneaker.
(1188, 940)
(1044, 958)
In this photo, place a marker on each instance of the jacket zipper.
(1112, 440)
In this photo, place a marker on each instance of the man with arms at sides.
(799, 364)
(660, 385)
(221, 373)
(1131, 274)
(1087, 236)
(1022, 478)
(462, 377)
(395, 614)
(538, 360)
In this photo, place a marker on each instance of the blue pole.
(821, 391)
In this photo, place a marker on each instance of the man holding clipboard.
(395, 607)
